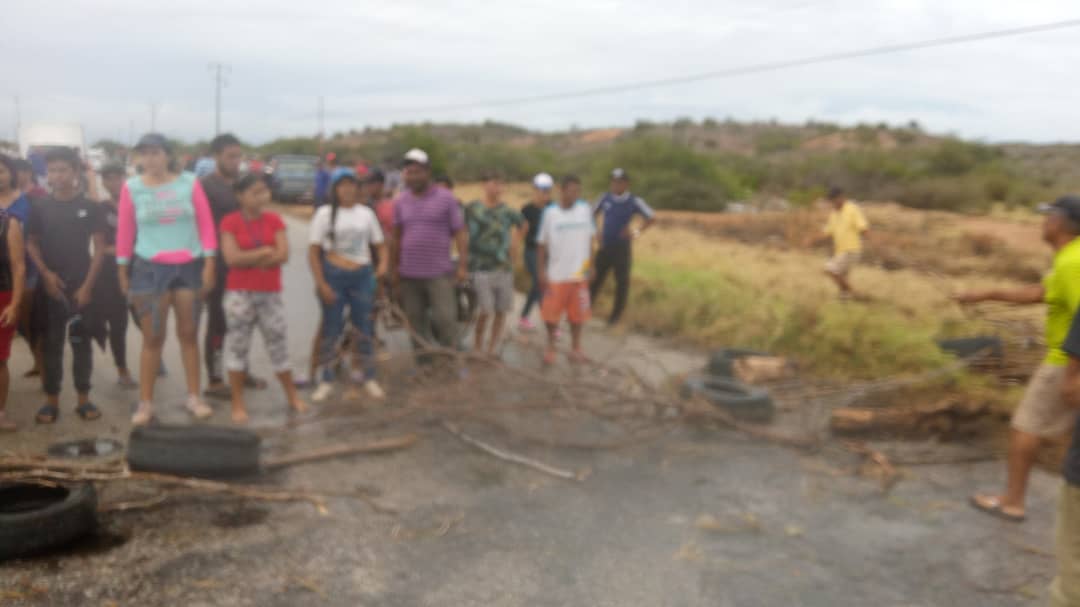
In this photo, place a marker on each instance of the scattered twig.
(379, 446)
(513, 458)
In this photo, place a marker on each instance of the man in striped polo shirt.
(426, 218)
(617, 208)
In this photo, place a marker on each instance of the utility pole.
(221, 79)
(322, 113)
(153, 116)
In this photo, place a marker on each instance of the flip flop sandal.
(48, 414)
(254, 383)
(6, 425)
(993, 508)
(32, 373)
(88, 412)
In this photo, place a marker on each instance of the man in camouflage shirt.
(494, 233)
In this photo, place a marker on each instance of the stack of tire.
(719, 386)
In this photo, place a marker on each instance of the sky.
(105, 63)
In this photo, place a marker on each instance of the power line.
(756, 68)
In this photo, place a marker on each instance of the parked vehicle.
(293, 177)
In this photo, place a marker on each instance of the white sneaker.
(374, 390)
(322, 391)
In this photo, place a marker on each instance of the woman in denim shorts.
(165, 250)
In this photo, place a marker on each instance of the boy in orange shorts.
(564, 248)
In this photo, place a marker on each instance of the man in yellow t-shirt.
(1042, 414)
(847, 226)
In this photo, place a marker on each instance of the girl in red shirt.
(255, 247)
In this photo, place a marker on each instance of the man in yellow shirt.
(847, 226)
(1042, 414)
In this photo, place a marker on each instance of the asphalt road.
(696, 518)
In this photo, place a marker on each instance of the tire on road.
(741, 401)
(35, 518)
(200, 451)
(722, 362)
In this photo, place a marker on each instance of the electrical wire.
(756, 68)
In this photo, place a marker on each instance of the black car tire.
(35, 518)
(743, 402)
(201, 451)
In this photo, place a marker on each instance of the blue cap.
(342, 173)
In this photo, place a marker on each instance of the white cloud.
(102, 63)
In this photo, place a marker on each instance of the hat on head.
(543, 181)
(1068, 205)
(415, 156)
(153, 140)
(620, 174)
(342, 173)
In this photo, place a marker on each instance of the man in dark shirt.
(228, 155)
(618, 207)
(1065, 590)
(110, 304)
(60, 229)
(533, 211)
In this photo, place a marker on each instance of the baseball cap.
(1068, 205)
(153, 140)
(619, 174)
(543, 181)
(415, 156)
(342, 173)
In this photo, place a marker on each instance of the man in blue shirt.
(322, 179)
(618, 207)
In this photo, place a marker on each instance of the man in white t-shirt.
(564, 252)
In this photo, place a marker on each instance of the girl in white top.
(339, 252)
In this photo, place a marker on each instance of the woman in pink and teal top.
(165, 249)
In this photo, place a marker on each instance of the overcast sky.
(102, 62)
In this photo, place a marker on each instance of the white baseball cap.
(416, 156)
(543, 181)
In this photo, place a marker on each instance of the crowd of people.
(81, 261)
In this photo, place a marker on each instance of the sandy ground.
(698, 517)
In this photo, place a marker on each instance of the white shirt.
(567, 234)
(355, 229)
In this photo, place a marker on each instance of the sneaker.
(127, 382)
(198, 408)
(301, 380)
(526, 326)
(374, 390)
(322, 391)
(357, 376)
(144, 413)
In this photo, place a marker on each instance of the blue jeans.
(354, 288)
(533, 297)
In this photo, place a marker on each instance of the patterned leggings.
(244, 310)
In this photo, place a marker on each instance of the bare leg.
(841, 282)
(187, 332)
(313, 364)
(496, 331)
(481, 328)
(549, 353)
(153, 342)
(287, 384)
(239, 406)
(1023, 449)
(575, 337)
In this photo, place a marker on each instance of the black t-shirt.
(63, 231)
(222, 197)
(110, 215)
(1071, 469)
(532, 214)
